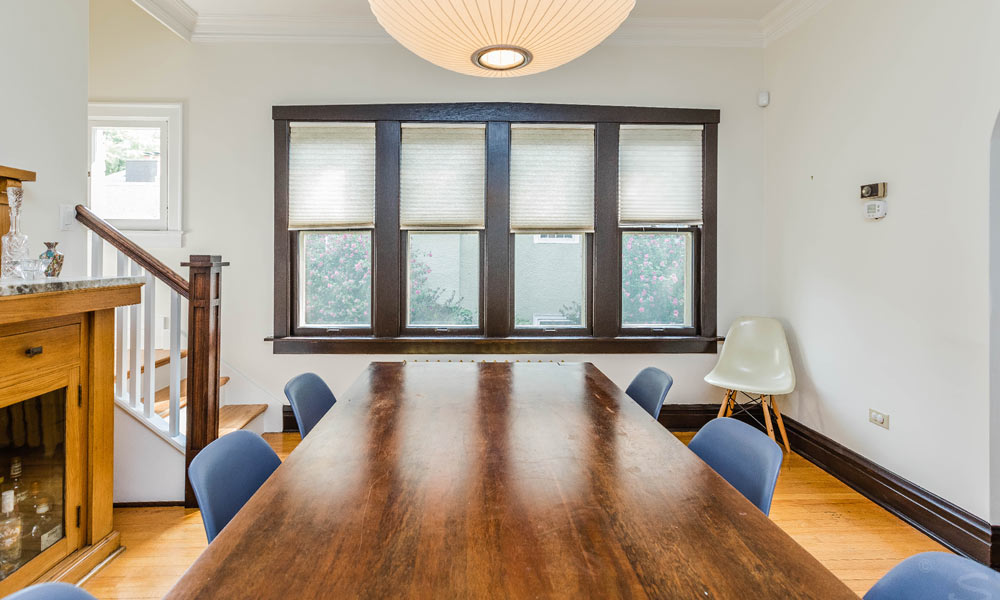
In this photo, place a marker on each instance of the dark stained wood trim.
(947, 523)
(283, 255)
(203, 358)
(288, 422)
(708, 249)
(385, 241)
(504, 345)
(497, 111)
(606, 297)
(119, 240)
(498, 240)
(995, 547)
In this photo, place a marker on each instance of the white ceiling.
(697, 23)
(702, 9)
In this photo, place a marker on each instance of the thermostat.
(875, 209)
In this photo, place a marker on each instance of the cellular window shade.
(442, 176)
(551, 178)
(659, 174)
(331, 175)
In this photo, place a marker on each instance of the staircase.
(183, 414)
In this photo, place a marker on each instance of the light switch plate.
(67, 217)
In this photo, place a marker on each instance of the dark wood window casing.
(495, 333)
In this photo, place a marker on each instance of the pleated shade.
(525, 36)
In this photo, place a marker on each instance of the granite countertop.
(20, 287)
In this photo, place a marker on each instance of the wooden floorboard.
(852, 536)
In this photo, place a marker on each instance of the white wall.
(228, 91)
(43, 115)
(891, 315)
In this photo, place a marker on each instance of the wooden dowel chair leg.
(781, 424)
(731, 405)
(725, 403)
(767, 417)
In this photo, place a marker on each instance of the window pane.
(442, 176)
(443, 279)
(336, 278)
(125, 173)
(331, 175)
(660, 174)
(551, 177)
(549, 281)
(655, 282)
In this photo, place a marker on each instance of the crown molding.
(787, 16)
(221, 28)
(175, 15)
(180, 18)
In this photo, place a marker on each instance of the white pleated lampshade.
(500, 38)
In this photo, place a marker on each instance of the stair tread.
(161, 356)
(161, 402)
(236, 416)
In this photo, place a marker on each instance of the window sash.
(442, 176)
(406, 287)
(552, 178)
(162, 124)
(301, 326)
(331, 175)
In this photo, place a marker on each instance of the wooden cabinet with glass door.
(56, 431)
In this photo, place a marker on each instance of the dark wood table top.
(499, 480)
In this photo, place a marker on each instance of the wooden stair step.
(161, 402)
(237, 416)
(160, 358)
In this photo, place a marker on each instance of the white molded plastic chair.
(755, 361)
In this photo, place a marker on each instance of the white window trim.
(173, 235)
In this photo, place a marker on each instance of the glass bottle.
(10, 533)
(15, 243)
(45, 530)
(20, 492)
(30, 504)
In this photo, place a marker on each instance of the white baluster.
(121, 316)
(175, 363)
(149, 345)
(96, 255)
(133, 335)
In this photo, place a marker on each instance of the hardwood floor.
(849, 534)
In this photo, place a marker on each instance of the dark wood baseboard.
(951, 525)
(288, 424)
(149, 504)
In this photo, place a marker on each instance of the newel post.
(204, 305)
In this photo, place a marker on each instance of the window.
(494, 228)
(331, 204)
(135, 169)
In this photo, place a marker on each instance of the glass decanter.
(15, 243)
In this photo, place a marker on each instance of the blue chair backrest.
(745, 457)
(649, 389)
(226, 473)
(51, 591)
(933, 575)
(310, 398)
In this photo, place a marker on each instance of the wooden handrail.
(110, 234)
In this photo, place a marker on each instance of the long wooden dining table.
(499, 480)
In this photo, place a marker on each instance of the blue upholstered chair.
(937, 575)
(649, 389)
(745, 457)
(51, 591)
(226, 473)
(310, 398)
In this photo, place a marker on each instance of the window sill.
(480, 345)
(172, 238)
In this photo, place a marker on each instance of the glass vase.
(15, 243)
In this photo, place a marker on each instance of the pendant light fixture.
(500, 38)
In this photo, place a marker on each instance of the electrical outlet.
(880, 419)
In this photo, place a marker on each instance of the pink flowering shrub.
(338, 278)
(653, 272)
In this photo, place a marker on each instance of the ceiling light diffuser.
(500, 38)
